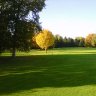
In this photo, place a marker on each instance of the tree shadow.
(30, 72)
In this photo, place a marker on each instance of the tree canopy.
(88, 40)
(45, 39)
(15, 27)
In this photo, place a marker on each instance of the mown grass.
(59, 51)
(60, 72)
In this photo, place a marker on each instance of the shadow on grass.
(30, 72)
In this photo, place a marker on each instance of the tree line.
(59, 41)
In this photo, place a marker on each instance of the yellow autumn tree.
(88, 40)
(45, 39)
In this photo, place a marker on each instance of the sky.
(70, 18)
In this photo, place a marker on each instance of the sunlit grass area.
(54, 51)
(60, 72)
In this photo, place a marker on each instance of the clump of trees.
(90, 40)
(16, 29)
(79, 41)
(69, 42)
(59, 41)
(45, 39)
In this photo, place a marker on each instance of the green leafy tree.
(34, 44)
(15, 25)
(45, 39)
(58, 41)
(80, 41)
(70, 42)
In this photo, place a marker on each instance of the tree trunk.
(14, 52)
(14, 45)
(46, 50)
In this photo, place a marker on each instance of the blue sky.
(71, 18)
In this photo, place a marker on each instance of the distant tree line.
(68, 42)
(59, 41)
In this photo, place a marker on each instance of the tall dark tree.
(70, 42)
(80, 41)
(15, 27)
(58, 41)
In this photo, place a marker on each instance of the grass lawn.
(60, 72)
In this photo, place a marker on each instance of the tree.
(70, 42)
(58, 41)
(45, 39)
(34, 44)
(88, 40)
(80, 41)
(94, 40)
(15, 26)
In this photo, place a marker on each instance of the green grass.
(60, 72)
(59, 51)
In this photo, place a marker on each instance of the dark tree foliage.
(63, 42)
(15, 28)
(80, 41)
(69, 42)
(58, 41)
